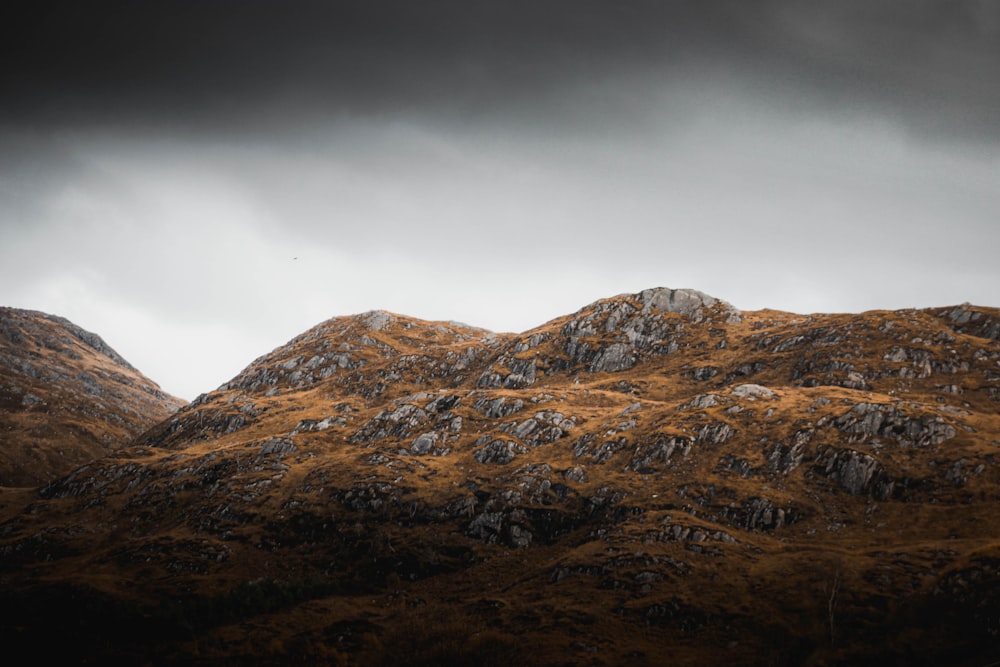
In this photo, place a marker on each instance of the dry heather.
(655, 479)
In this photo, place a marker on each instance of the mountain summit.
(657, 478)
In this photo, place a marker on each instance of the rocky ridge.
(657, 477)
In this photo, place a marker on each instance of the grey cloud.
(259, 66)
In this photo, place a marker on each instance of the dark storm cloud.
(247, 65)
(344, 56)
(161, 163)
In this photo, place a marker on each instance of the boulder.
(752, 391)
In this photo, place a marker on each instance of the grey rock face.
(639, 327)
(786, 458)
(490, 379)
(424, 443)
(398, 422)
(887, 420)
(521, 374)
(599, 453)
(498, 408)
(703, 401)
(231, 423)
(545, 427)
(29, 400)
(499, 451)
(896, 354)
(971, 322)
(296, 372)
(519, 536)
(460, 362)
(487, 526)
(376, 320)
(277, 446)
(855, 380)
(705, 373)
(443, 403)
(308, 425)
(680, 533)
(857, 473)
(500, 528)
(613, 358)
(715, 433)
(648, 455)
(524, 429)
(742, 467)
(760, 513)
(634, 407)
(752, 391)
(532, 341)
(687, 302)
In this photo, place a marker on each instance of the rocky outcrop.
(692, 303)
(613, 358)
(508, 373)
(497, 451)
(543, 428)
(967, 319)
(399, 422)
(784, 458)
(759, 513)
(856, 472)
(639, 325)
(751, 391)
(649, 456)
(866, 420)
(406, 417)
(715, 433)
(498, 408)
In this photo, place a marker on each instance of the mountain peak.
(686, 302)
(376, 320)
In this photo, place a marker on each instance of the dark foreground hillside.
(655, 479)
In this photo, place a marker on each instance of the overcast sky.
(199, 181)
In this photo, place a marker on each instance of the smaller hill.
(66, 398)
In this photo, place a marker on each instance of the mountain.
(657, 478)
(66, 398)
